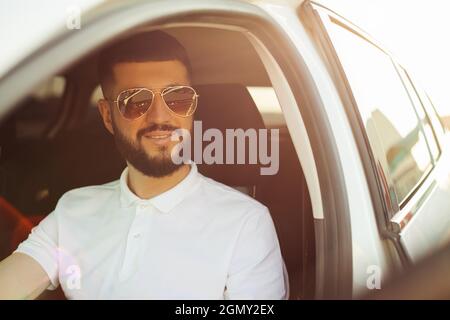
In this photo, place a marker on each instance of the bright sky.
(417, 32)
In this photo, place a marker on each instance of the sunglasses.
(133, 103)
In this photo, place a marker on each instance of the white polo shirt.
(199, 240)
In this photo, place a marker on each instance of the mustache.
(156, 127)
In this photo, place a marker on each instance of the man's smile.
(160, 137)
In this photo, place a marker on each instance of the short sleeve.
(41, 245)
(256, 268)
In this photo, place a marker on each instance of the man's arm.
(256, 269)
(33, 267)
(22, 277)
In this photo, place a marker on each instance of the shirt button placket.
(133, 243)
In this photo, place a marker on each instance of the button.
(136, 235)
(140, 208)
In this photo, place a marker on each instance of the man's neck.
(146, 187)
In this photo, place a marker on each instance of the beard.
(157, 166)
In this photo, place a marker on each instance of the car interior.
(55, 141)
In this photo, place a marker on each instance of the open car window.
(235, 92)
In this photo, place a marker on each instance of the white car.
(363, 186)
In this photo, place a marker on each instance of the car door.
(292, 79)
(424, 223)
(399, 136)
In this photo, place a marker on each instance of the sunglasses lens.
(181, 100)
(134, 102)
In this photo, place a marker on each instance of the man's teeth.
(162, 136)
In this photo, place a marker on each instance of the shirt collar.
(165, 201)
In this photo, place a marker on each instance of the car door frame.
(332, 231)
(392, 219)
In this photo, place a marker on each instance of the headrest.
(228, 106)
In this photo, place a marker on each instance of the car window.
(425, 121)
(38, 110)
(443, 124)
(392, 124)
(96, 95)
(267, 103)
(26, 152)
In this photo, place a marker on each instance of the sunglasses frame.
(164, 91)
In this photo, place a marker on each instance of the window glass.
(267, 103)
(392, 124)
(39, 109)
(424, 119)
(97, 94)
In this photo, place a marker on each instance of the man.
(162, 231)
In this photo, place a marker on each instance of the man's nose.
(158, 113)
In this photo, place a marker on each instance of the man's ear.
(106, 113)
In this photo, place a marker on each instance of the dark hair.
(148, 46)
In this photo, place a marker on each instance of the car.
(362, 187)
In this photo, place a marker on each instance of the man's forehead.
(150, 74)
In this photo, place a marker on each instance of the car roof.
(49, 20)
(34, 24)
